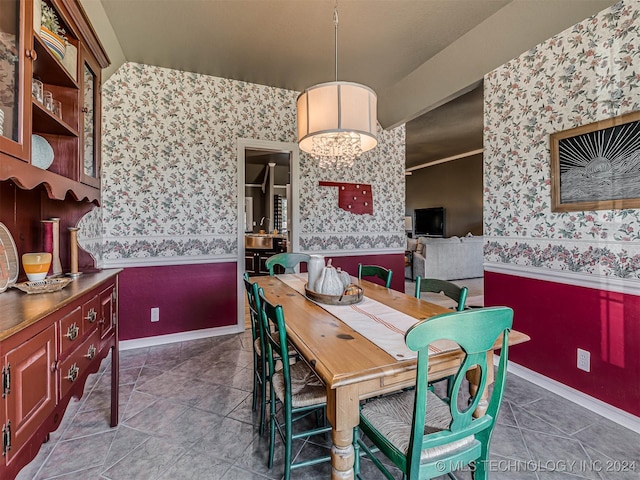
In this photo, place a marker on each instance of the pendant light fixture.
(337, 121)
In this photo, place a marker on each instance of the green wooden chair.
(259, 360)
(375, 271)
(451, 290)
(295, 386)
(286, 260)
(424, 436)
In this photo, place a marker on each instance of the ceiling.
(452, 129)
(290, 43)
(392, 46)
(256, 162)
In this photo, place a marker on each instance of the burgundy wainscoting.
(562, 318)
(393, 261)
(190, 297)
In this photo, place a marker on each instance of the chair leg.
(356, 451)
(272, 427)
(288, 447)
(480, 471)
(449, 381)
(255, 384)
(263, 406)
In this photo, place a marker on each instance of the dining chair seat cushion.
(256, 345)
(306, 388)
(392, 416)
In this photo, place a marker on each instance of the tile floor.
(186, 414)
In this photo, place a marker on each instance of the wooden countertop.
(18, 310)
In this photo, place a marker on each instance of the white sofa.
(450, 258)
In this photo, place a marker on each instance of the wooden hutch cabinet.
(50, 343)
(74, 134)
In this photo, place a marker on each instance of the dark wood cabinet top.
(19, 310)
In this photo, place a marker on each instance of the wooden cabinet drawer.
(74, 367)
(91, 314)
(70, 330)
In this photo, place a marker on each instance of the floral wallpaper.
(585, 74)
(90, 234)
(320, 217)
(169, 168)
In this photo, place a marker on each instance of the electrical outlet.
(155, 314)
(584, 360)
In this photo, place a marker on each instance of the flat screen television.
(430, 221)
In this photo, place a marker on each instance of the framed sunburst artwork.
(597, 166)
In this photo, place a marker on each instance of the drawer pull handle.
(73, 373)
(91, 352)
(91, 316)
(72, 331)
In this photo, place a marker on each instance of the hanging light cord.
(335, 24)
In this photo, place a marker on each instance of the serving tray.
(343, 299)
(44, 286)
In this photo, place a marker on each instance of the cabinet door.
(90, 121)
(107, 312)
(15, 77)
(32, 394)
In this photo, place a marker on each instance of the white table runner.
(375, 321)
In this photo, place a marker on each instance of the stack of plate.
(54, 42)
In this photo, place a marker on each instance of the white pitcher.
(314, 269)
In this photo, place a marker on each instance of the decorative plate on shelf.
(41, 152)
(4, 268)
(12, 253)
(44, 286)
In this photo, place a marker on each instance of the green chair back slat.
(433, 285)
(382, 273)
(287, 260)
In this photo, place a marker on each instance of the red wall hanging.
(353, 197)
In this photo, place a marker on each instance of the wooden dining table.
(354, 368)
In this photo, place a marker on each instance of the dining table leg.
(344, 415)
(474, 381)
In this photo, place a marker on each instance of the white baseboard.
(590, 403)
(178, 337)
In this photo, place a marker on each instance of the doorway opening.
(267, 206)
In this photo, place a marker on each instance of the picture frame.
(597, 166)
